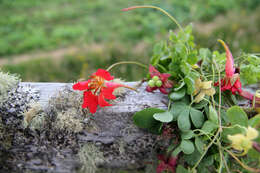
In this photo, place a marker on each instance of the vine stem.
(241, 163)
(126, 62)
(157, 8)
(219, 129)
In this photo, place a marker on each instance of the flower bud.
(158, 83)
(251, 133)
(155, 78)
(151, 83)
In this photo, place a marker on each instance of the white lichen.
(7, 83)
(69, 121)
(90, 156)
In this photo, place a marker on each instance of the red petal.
(161, 167)
(104, 74)
(81, 85)
(246, 95)
(90, 101)
(238, 84)
(165, 76)
(163, 90)
(161, 157)
(153, 72)
(150, 89)
(102, 102)
(173, 161)
(230, 70)
(108, 93)
(167, 84)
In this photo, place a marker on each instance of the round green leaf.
(181, 169)
(187, 146)
(164, 117)
(176, 109)
(183, 120)
(208, 127)
(197, 117)
(177, 95)
(236, 115)
(255, 121)
(144, 119)
(199, 144)
(187, 135)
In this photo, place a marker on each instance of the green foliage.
(250, 71)
(178, 94)
(197, 117)
(164, 117)
(29, 25)
(187, 146)
(254, 121)
(184, 120)
(236, 115)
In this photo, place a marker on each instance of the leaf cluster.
(202, 128)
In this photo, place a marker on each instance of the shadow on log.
(53, 133)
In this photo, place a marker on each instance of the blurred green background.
(64, 40)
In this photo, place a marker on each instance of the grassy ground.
(28, 27)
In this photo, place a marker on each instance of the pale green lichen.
(90, 156)
(69, 121)
(34, 117)
(7, 82)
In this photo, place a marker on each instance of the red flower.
(159, 80)
(97, 90)
(165, 164)
(232, 80)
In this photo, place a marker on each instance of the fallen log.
(55, 135)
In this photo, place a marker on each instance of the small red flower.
(97, 90)
(232, 80)
(165, 164)
(159, 81)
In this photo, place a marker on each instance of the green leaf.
(177, 95)
(213, 116)
(199, 144)
(183, 120)
(191, 159)
(190, 85)
(187, 135)
(193, 57)
(181, 169)
(236, 115)
(254, 121)
(187, 146)
(201, 104)
(208, 127)
(179, 86)
(197, 117)
(164, 117)
(176, 109)
(144, 119)
(204, 53)
(176, 151)
(185, 68)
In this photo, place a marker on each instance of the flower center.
(96, 84)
